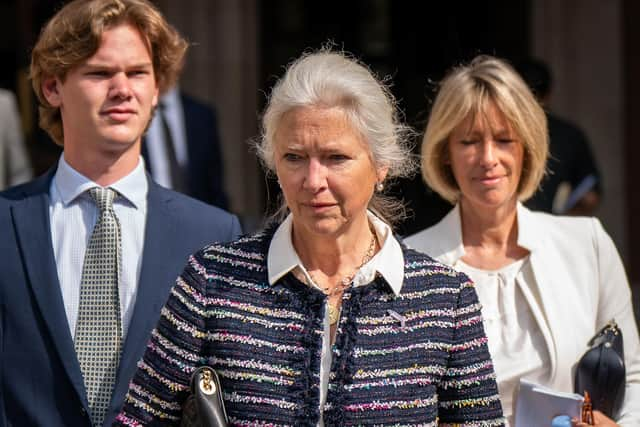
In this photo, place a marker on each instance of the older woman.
(324, 317)
(547, 284)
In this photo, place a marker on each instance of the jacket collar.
(451, 236)
(451, 239)
(529, 232)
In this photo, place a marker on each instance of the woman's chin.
(489, 201)
(322, 226)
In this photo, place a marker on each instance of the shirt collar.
(388, 262)
(70, 183)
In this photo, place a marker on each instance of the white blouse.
(516, 342)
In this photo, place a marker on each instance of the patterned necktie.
(99, 329)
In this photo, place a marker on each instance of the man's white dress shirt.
(73, 215)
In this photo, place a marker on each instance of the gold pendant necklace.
(335, 308)
(334, 313)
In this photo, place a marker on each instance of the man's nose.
(120, 86)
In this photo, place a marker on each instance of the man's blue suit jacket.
(40, 379)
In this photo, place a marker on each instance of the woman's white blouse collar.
(388, 262)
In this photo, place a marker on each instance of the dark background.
(413, 42)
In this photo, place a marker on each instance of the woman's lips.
(490, 180)
(320, 206)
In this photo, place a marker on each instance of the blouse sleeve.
(614, 302)
(161, 382)
(468, 394)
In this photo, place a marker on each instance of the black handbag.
(601, 371)
(204, 407)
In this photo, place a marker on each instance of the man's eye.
(138, 73)
(98, 73)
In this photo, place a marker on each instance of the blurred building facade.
(240, 47)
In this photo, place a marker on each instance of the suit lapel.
(161, 235)
(451, 248)
(33, 230)
(543, 300)
(539, 299)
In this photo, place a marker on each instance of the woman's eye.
(338, 157)
(505, 140)
(467, 142)
(290, 157)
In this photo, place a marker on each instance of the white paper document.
(537, 405)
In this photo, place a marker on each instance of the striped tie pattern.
(98, 337)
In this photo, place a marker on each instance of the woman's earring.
(379, 187)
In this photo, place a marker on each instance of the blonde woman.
(547, 284)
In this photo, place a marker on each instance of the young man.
(90, 250)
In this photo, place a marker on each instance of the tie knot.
(103, 197)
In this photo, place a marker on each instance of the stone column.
(222, 68)
(581, 41)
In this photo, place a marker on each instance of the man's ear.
(51, 91)
(156, 97)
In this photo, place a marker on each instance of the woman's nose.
(316, 178)
(488, 154)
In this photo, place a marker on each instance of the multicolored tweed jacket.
(426, 363)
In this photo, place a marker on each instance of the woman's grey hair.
(327, 78)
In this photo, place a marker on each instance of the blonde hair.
(327, 78)
(465, 92)
(74, 34)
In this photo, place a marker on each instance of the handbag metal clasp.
(206, 383)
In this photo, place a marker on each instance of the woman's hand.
(600, 420)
